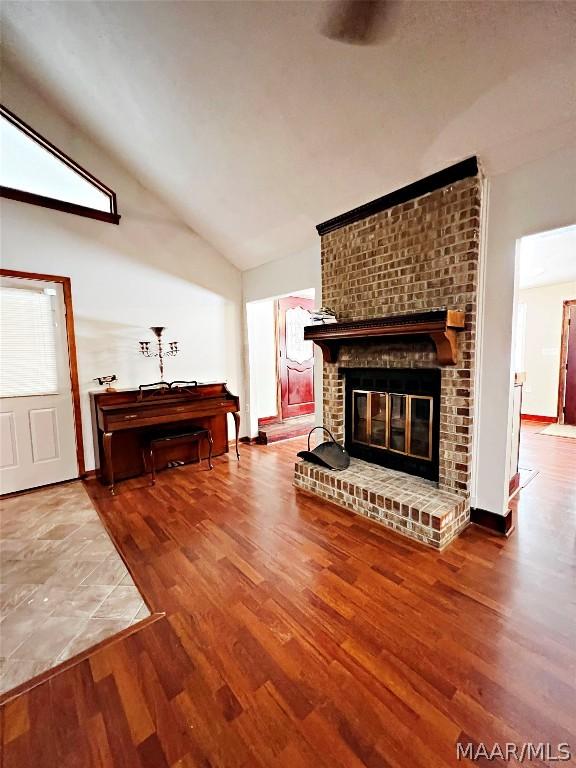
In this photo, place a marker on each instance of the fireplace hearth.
(392, 418)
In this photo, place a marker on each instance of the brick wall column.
(412, 257)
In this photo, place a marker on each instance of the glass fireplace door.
(394, 422)
(361, 429)
(370, 414)
(397, 424)
(378, 419)
(420, 418)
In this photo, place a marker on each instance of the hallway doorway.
(281, 367)
(544, 354)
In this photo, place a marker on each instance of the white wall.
(150, 270)
(262, 360)
(533, 198)
(284, 277)
(544, 306)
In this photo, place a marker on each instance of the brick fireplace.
(414, 251)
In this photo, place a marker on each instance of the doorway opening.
(544, 344)
(281, 367)
(40, 419)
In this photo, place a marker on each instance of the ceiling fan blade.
(353, 21)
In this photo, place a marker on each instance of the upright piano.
(123, 421)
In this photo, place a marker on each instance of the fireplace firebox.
(392, 418)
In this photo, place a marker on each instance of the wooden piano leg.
(107, 444)
(152, 466)
(236, 417)
(210, 444)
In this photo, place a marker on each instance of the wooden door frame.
(71, 340)
(265, 421)
(563, 358)
(279, 417)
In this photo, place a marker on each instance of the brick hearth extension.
(410, 505)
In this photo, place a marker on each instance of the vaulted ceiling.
(254, 127)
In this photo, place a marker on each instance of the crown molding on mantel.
(462, 170)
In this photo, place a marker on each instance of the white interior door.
(37, 437)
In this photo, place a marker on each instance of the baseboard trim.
(501, 524)
(13, 494)
(514, 484)
(536, 417)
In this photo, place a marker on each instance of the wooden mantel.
(440, 325)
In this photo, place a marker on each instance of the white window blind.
(28, 363)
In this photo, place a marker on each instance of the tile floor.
(63, 586)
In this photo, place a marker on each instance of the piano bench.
(194, 435)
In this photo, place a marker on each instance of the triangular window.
(34, 171)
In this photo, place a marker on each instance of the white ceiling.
(254, 127)
(548, 258)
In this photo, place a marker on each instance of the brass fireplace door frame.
(407, 421)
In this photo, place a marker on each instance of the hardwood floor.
(297, 634)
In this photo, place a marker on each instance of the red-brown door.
(570, 385)
(296, 357)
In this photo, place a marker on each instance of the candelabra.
(161, 353)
